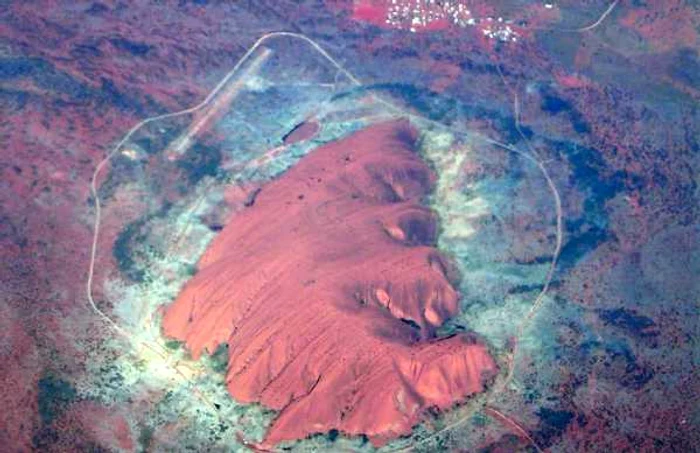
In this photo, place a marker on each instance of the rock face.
(328, 290)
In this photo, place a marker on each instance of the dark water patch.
(510, 128)
(96, 9)
(130, 249)
(111, 95)
(553, 423)
(137, 49)
(13, 100)
(145, 437)
(578, 245)
(553, 104)
(686, 67)
(391, 52)
(589, 176)
(85, 50)
(12, 68)
(44, 75)
(579, 124)
(616, 363)
(637, 376)
(199, 161)
(47, 77)
(54, 396)
(123, 253)
(156, 142)
(522, 289)
(628, 320)
(621, 366)
(174, 345)
(473, 67)
(220, 359)
(536, 260)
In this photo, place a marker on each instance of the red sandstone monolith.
(328, 290)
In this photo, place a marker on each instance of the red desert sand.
(328, 290)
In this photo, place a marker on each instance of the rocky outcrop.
(328, 290)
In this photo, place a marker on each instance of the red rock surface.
(328, 291)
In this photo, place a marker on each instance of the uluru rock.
(328, 290)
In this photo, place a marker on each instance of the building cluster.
(415, 15)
